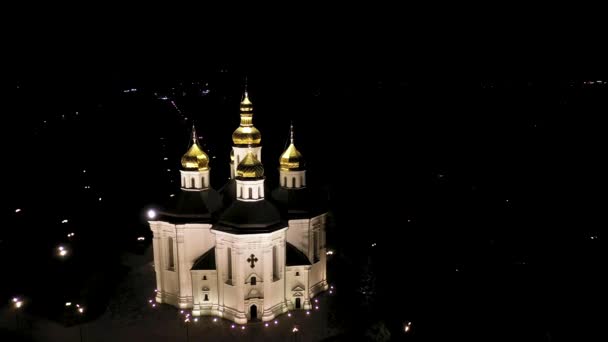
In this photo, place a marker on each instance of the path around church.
(131, 318)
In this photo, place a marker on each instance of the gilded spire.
(195, 158)
(291, 159)
(246, 134)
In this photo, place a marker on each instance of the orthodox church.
(236, 253)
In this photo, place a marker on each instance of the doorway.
(253, 312)
(298, 303)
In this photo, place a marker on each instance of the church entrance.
(297, 303)
(253, 312)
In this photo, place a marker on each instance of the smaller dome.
(195, 159)
(291, 159)
(250, 167)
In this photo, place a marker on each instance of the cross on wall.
(252, 259)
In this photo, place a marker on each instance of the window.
(250, 193)
(241, 192)
(170, 257)
(275, 263)
(192, 183)
(297, 274)
(203, 181)
(285, 181)
(204, 277)
(206, 298)
(184, 182)
(253, 280)
(315, 246)
(229, 261)
(293, 182)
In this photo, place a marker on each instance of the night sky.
(465, 180)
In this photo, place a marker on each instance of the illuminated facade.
(239, 253)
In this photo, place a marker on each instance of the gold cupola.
(195, 159)
(246, 134)
(291, 159)
(250, 167)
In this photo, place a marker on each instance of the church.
(238, 253)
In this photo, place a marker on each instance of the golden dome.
(195, 158)
(291, 159)
(250, 167)
(246, 134)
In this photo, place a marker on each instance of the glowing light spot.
(151, 214)
(68, 304)
(17, 210)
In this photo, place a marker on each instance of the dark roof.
(228, 192)
(295, 257)
(245, 217)
(300, 203)
(192, 206)
(205, 261)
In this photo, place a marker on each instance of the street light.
(17, 303)
(295, 332)
(186, 321)
(80, 313)
(408, 327)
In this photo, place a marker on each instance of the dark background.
(489, 142)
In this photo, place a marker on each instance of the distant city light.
(330, 252)
(172, 195)
(151, 214)
(289, 314)
(80, 310)
(242, 327)
(99, 199)
(295, 329)
(141, 238)
(374, 244)
(308, 312)
(215, 319)
(276, 322)
(316, 307)
(408, 327)
(68, 303)
(165, 158)
(71, 234)
(266, 325)
(593, 237)
(17, 210)
(64, 221)
(84, 171)
(232, 326)
(18, 304)
(196, 319)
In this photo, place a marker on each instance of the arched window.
(204, 277)
(293, 182)
(275, 263)
(241, 192)
(206, 298)
(250, 193)
(260, 192)
(170, 257)
(315, 246)
(203, 181)
(229, 263)
(253, 280)
(184, 182)
(192, 183)
(297, 274)
(285, 181)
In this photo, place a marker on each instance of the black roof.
(300, 203)
(192, 206)
(295, 257)
(205, 261)
(228, 192)
(250, 217)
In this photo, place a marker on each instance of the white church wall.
(297, 234)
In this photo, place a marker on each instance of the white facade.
(229, 291)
